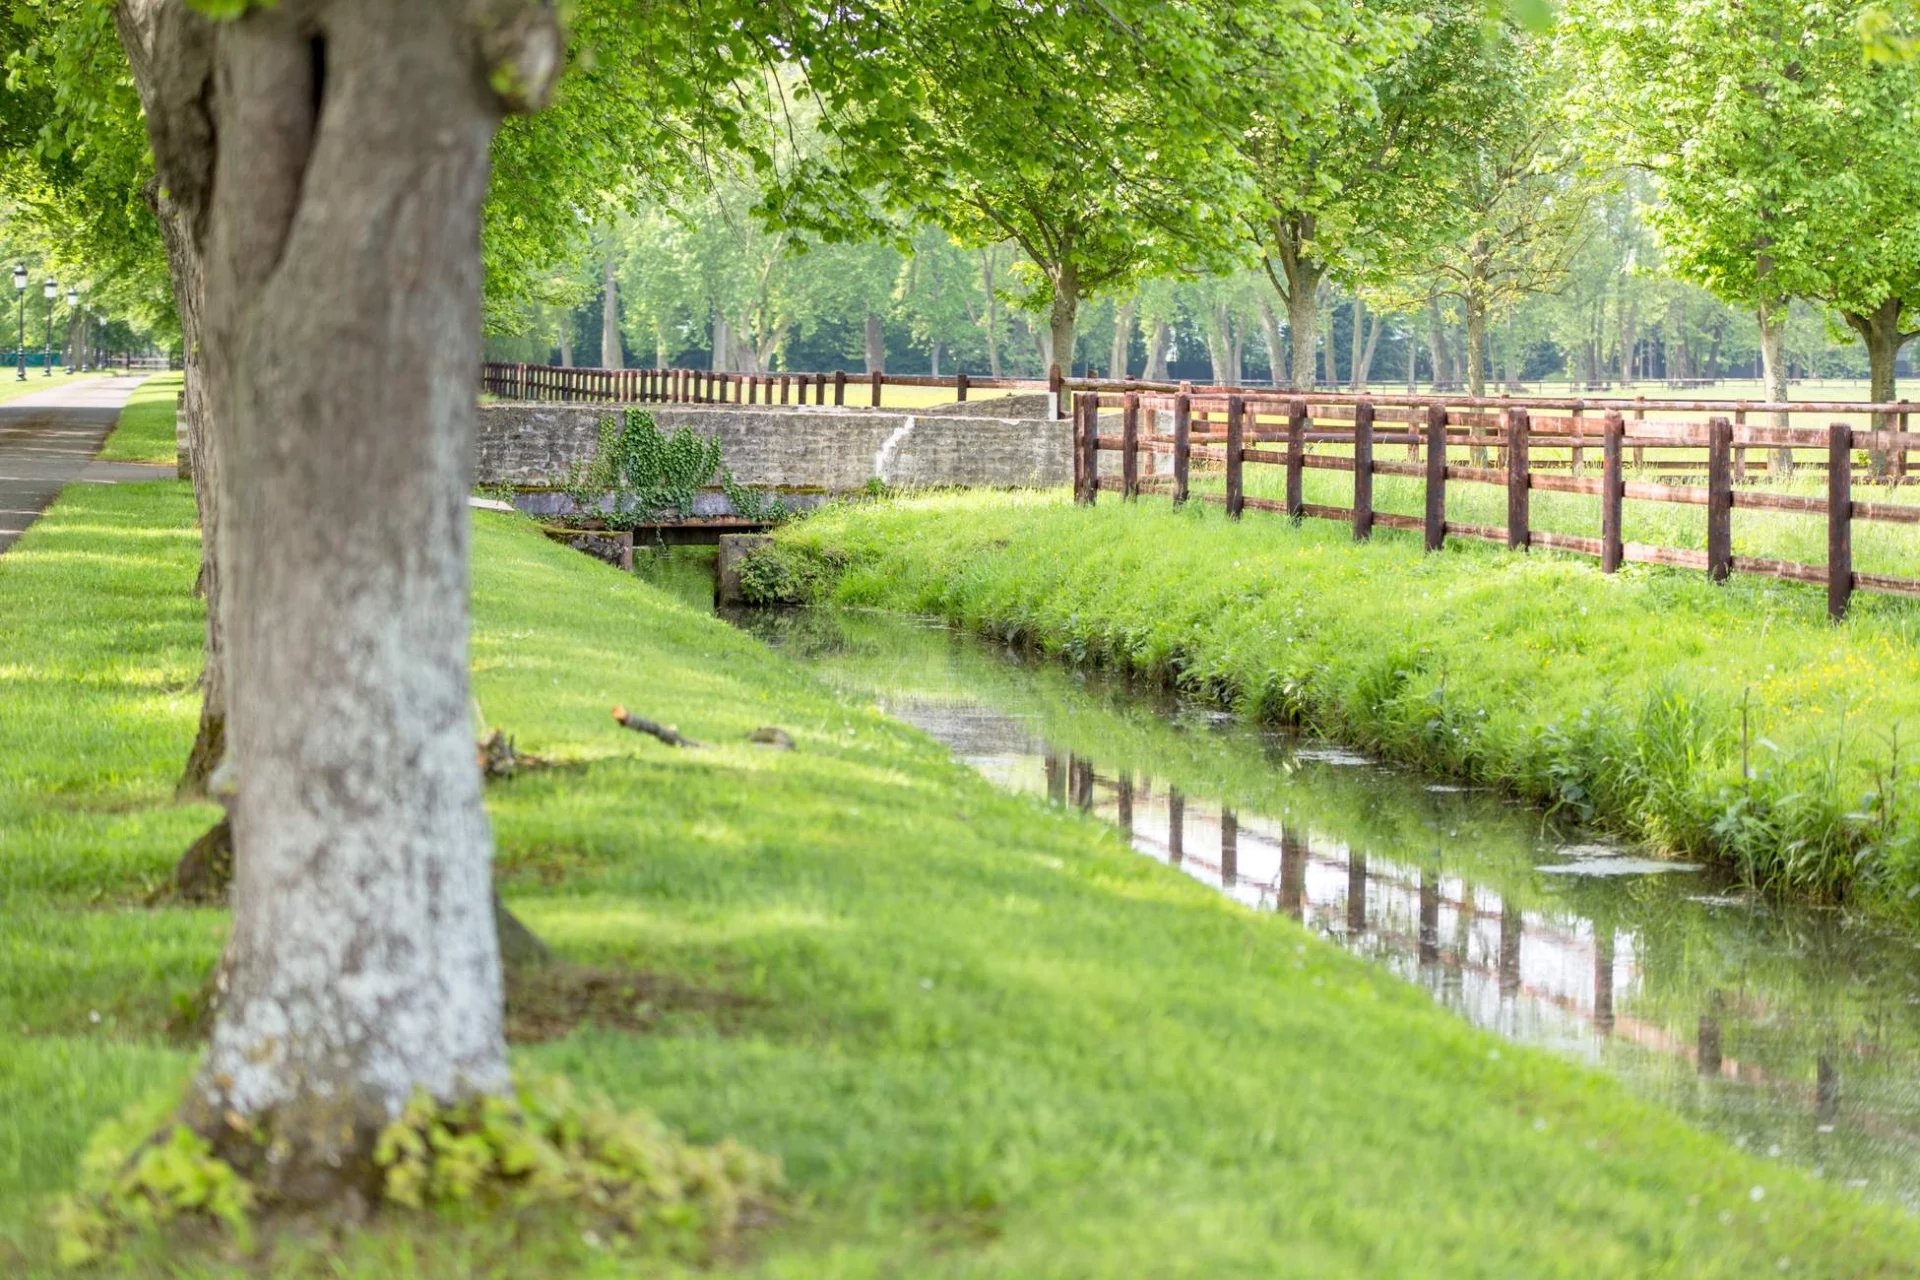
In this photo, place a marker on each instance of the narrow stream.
(1793, 1031)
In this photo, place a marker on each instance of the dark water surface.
(1793, 1031)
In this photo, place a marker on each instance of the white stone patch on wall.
(883, 457)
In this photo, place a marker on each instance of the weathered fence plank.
(1719, 499)
(1296, 456)
(1236, 431)
(1613, 492)
(1363, 471)
(1839, 520)
(1436, 520)
(1130, 447)
(1518, 493)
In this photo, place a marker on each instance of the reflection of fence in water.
(1460, 940)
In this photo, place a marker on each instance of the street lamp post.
(46, 360)
(75, 332)
(20, 287)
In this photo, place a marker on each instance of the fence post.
(1236, 433)
(1839, 519)
(1089, 405)
(819, 388)
(839, 387)
(875, 377)
(1613, 492)
(1517, 493)
(1363, 471)
(1296, 455)
(1577, 456)
(1639, 416)
(1899, 459)
(1436, 476)
(1077, 447)
(1130, 446)
(960, 387)
(1719, 499)
(1056, 392)
(784, 388)
(1182, 445)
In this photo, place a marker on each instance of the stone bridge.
(809, 453)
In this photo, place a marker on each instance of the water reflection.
(1794, 1032)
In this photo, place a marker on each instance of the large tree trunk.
(1303, 319)
(1063, 315)
(1879, 329)
(1357, 314)
(876, 344)
(336, 199)
(1157, 345)
(723, 360)
(170, 54)
(1122, 340)
(1773, 372)
(1476, 348)
(610, 354)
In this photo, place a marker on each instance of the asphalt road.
(47, 441)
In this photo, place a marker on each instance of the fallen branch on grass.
(640, 724)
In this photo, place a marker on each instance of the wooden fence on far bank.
(1235, 431)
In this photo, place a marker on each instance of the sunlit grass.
(146, 429)
(984, 1037)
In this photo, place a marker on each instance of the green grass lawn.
(146, 431)
(1634, 700)
(984, 1037)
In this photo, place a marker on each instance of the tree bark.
(876, 344)
(1117, 359)
(723, 360)
(170, 52)
(1357, 313)
(1476, 348)
(1773, 372)
(610, 353)
(1063, 315)
(1157, 346)
(1303, 320)
(1879, 329)
(334, 194)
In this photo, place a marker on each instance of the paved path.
(47, 441)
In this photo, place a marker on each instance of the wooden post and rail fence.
(1229, 429)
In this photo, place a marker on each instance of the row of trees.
(713, 287)
(1481, 168)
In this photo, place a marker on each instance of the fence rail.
(1228, 430)
(1537, 444)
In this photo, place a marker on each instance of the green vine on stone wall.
(638, 474)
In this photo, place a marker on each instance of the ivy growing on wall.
(639, 474)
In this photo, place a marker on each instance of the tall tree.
(1365, 190)
(1524, 201)
(1088, 134)
(1785, 157)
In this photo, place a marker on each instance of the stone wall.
(809, 448)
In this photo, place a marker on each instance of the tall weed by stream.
(1730, 722)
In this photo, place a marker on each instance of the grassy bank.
(1636, 701)
(983, 1036)
(146, 429)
